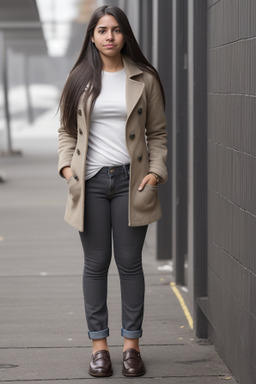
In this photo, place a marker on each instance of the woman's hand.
(67, 173)
(149, 179)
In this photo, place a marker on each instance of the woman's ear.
(92, 39)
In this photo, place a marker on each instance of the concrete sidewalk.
(43, 334)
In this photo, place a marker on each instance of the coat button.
(75, 177)
(132, 136)
(139, 111)
(139, 157)
(78, 151)
(79, 112)
(80, 131)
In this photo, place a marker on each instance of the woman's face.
(108, 38)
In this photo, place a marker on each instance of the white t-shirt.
(107, 143)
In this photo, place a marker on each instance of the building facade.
(232, 183)
(205, 54)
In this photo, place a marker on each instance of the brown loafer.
(100, 364)
(132, 363)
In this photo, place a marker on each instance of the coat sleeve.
(67, 144)
(156, 133)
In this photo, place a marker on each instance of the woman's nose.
(110, 35)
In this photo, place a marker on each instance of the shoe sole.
(133, 374)
(100, 374)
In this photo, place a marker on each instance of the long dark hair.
(88, 67)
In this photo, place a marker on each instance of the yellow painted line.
(182, 304)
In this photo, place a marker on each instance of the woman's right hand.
(67, 173)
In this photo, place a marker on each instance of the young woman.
(112, 152)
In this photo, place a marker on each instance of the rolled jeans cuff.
(131, 334)
(99, 334)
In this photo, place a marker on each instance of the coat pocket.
(146, 201)
(73, 189)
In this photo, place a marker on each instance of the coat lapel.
(134, 88)
(86, 108)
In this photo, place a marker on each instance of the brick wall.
(232, 183)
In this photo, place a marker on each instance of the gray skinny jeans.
(106, 212)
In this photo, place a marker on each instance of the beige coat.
(146, 143)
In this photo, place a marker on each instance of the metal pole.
(155, 17)
(173, 138)
(200, 167)
(162, 27)
(2, 177)
(191, 154)
(4, 55)
(179, 142)
(26, 80)
(5, 88)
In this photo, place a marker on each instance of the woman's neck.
(112, 64)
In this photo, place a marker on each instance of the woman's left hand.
(149, 179)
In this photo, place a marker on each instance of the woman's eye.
(101, 31)
(117, 31)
